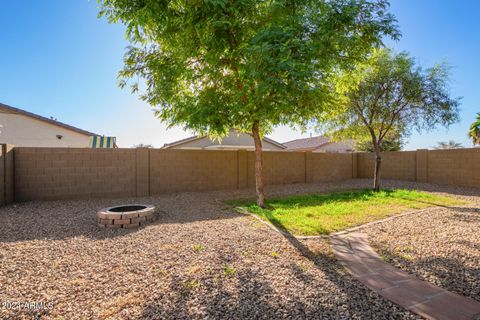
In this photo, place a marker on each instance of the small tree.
(389, 93)
(474, 132)
(392, 142)
(448, 145)
(249, 65)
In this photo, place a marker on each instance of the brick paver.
(127, 220)
(427, 300)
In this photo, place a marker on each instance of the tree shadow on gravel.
(243, 293)
(361, 302)
(466, 214)
(58, 220)
(215, 298)
(248, 295)
(431, 187)
(451, 274)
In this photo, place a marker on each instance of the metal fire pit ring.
(125, 216)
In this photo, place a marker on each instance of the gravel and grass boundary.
(441, 246)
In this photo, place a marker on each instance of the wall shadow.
(56, 220)
(431, 187)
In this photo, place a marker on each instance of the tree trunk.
(258, 165)
(378, 165)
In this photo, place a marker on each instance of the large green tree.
(213, 65)
(474, 132)
(389, 93)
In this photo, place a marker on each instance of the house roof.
(193, 138)
(278, 144)
(307, 143)
(10, 109)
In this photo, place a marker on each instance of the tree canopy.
(393, 141)
(389, 93)
(474, 132)
(214, 65)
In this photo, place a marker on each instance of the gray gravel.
(439, 245)
(199, 259)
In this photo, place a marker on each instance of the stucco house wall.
(24, 131)
(336, 147)
(233, 141)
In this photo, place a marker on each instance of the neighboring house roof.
(193, 138)
(278, 144)
(307, 144)
(10, 109)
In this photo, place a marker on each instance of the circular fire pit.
(125, 216)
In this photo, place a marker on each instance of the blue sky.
(58, 59)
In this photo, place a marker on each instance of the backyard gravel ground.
(200, 259)
(439, 245)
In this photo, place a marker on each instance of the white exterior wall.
(233, 141)
(23, 131)
(337, 147)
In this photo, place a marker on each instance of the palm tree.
(143, 145)
(474, 132)
(448, 145)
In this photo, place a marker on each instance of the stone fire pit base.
(125, 216)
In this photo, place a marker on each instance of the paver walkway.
(427, 300)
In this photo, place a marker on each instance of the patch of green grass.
(229, 271)
(405, 256)
(384, 258)
(275, 254)
(318, 214)
(302, 267)
(192, 284)
(189, 286)
(198, 247)
(405, 253)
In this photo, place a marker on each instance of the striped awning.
(102, 142)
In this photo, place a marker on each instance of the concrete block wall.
(66, 173)
(2, 176)
(62, 173)
(242, 165)
(457, 167)
(398, 165)
(142, 172)
(192, 170)
(6, 174)
(421, 165)
(460, 167)
(71, 173)
(329, 167)
(278, 168)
